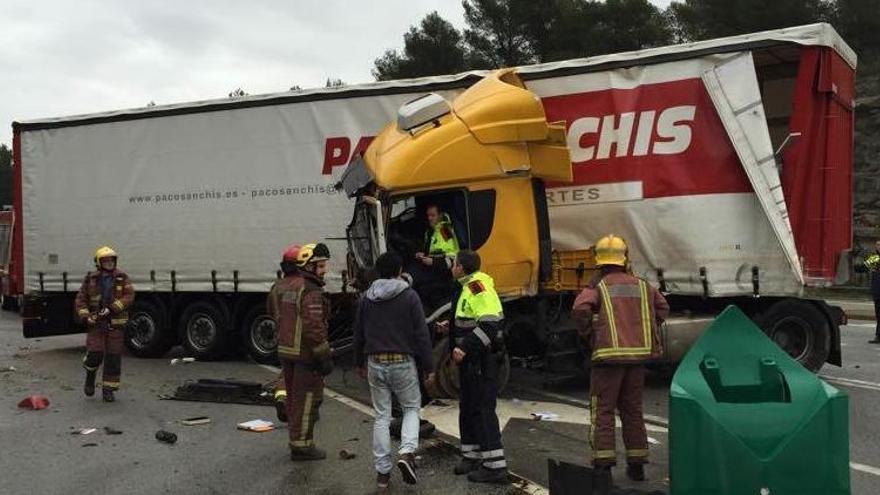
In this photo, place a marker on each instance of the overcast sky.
(62, 57)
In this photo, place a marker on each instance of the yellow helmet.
(312, 253)
(611, 250)
(104, 252)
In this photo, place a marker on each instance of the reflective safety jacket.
(441, 239)
(90, 300)
(479, 316)
(297, 304)
(629, 311)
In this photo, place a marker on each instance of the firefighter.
(297, 304)
(871, 265)
(102, 305)
(624, 336)
(477, 346)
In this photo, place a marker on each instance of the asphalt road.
(859, 377)
(39, 455)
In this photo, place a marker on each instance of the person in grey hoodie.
(393, 351)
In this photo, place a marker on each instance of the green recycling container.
(747, 419)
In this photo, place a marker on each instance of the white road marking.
(849, 382)
(530, 487)
(510, 407)
(865, 469)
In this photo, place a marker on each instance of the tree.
(704, 19)
(5, 175)
(433, 47)
(632, 25)
(497, 30)
(334, 83)
(859, 24)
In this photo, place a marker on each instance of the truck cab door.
(366, 239)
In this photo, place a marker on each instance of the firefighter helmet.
(611, 250)
(312, 253)
(104, 252)
(291, 254)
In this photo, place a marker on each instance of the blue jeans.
(401, 380)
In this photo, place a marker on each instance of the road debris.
(90, 444)
(545, 416)
(166, 437)
(84, 431)
(7, 369)
(198, 420)
(112, 431)
(257, 425)
(34, 402)
(185, 360)
(653, 441)
(346, 455)
(223, 392)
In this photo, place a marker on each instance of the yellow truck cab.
(483, 158)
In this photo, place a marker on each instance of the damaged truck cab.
(483, 158)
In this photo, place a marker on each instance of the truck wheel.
(800, 329)
(147, 334)
(204, 331)
(446, 372)
(259, 336)
(10, 303)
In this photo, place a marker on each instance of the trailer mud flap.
(733, 87)
(46, 315)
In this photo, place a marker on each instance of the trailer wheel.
(147, 334)
(259, 336)
(800, 329)
(204, 331)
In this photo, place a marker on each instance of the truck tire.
(800, 329)
(204, 331)
(258, 334)
(446, 372)
(10, 303)
(147, 334)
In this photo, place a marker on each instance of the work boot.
(602, 482)
(382, 481)
(466, 465)
(89, 387)
(307, 454)
(108, 395)
(875, 340)
(281, 410)
(635, 471)
(483, 475)
(407, 466)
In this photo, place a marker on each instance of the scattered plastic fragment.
(176, 361)
(545, 416)
(112, 431)
(166, 437)
(90, 444)
(84, 431)
(257, 425)
(35, 402)
(346, 455)
(7, 369)
(198, 420)
(653, 441)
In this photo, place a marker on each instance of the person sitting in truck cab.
(441, 243)
(432, 278)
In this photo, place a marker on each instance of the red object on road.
(35, 402)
